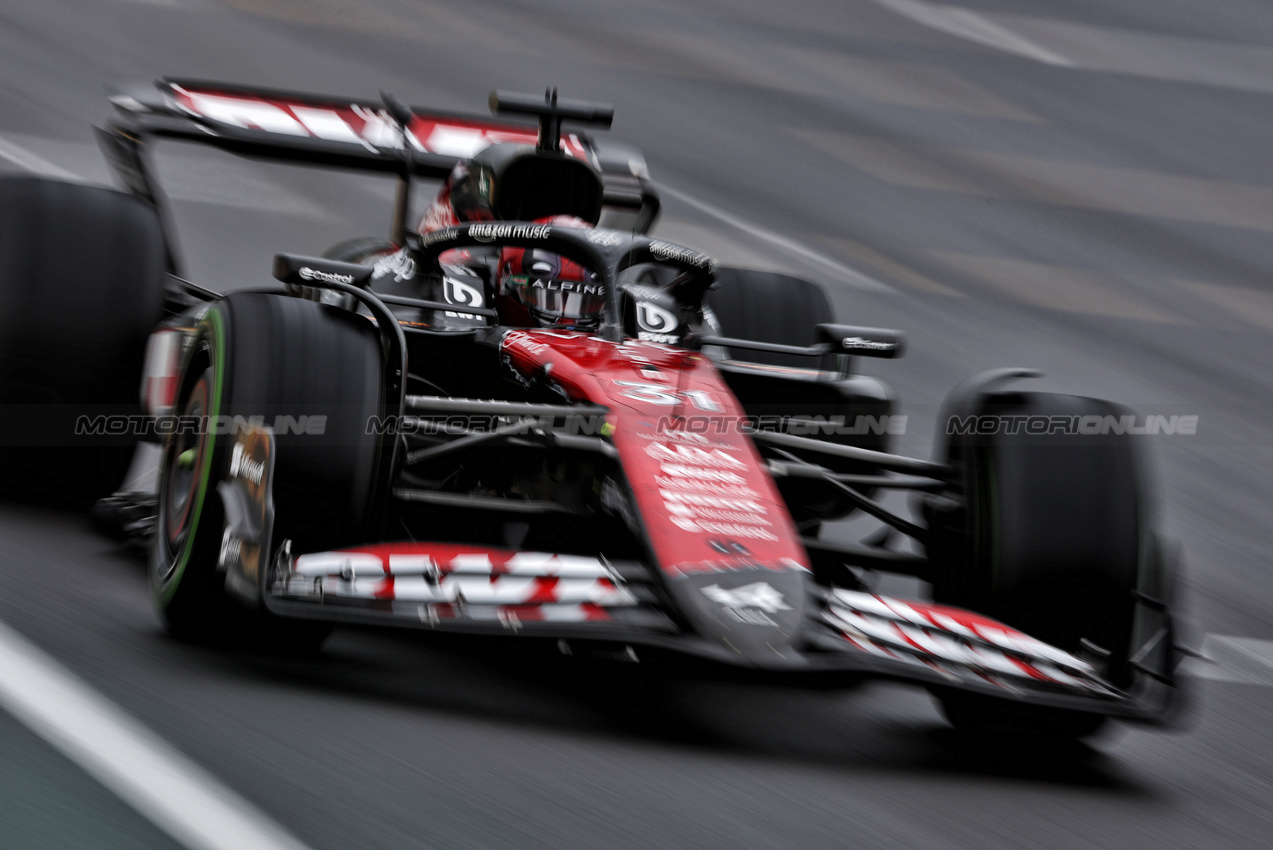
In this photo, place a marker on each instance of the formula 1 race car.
(525, 415)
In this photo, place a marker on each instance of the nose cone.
(752, 612)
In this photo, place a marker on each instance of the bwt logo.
(656, 324)
(455, 291)
(654, 318)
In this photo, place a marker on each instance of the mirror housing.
(312, 271)
(863, 342)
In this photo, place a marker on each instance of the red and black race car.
(523, 415)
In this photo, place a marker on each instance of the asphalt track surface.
(1084, 189)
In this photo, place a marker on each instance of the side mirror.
(315, 271)
(863, 342)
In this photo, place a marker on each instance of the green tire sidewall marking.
(213, 324)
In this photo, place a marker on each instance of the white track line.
(851, 276)
(24, 158)
(1227, 658)
(967, 24)
(174, 793)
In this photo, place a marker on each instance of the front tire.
(284, 360)
(1051, 536)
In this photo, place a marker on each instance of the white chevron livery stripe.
(912, 632)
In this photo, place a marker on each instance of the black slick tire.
(360, 249)
(81, 287)
(1052, 538)
(273, 357)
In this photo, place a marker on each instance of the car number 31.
(655, 394)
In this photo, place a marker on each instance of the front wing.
(840, 633)
(773, 620)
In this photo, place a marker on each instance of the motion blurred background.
(1082, 187)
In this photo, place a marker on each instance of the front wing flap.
(466, 588)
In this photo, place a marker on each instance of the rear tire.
(361, 249)
(81, 288)
(269, 356)
(784, 310)
(1051, 537)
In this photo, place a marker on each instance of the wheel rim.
(183, 469)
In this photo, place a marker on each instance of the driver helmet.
(538, 288)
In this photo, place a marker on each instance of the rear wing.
(336, 132)
(319, 129)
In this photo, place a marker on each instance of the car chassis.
(687, 578)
